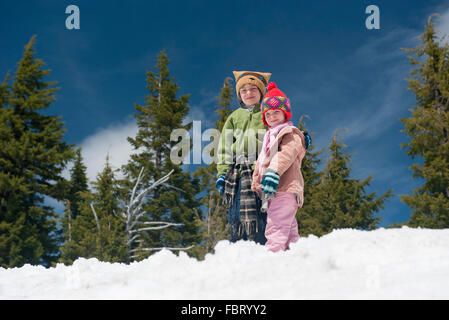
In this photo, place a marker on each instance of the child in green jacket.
(240, 143)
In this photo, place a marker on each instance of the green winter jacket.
(242, 134)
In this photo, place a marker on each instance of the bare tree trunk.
(96, 218)
(134, 212)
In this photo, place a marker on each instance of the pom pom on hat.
(275, 99)
(271, 85)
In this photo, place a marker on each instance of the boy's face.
(274, 117)
(250, 94)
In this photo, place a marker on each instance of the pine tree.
(4, 92)
(84, 238)
(214, 223)
(78, 183)
(346, 201)
(428, 128)
(107, 208)
(175, 201)
(33, 155)
(98, 230)
(224, 106)
(335, 200)
(77, 186)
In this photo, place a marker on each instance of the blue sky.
(320, 53)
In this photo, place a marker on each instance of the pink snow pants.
(282, 228)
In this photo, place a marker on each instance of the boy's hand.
(270, 182)
(256, 188)
(219, 185)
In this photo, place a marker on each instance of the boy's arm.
(224, 150)
(290, 146)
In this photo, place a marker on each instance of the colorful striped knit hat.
(275, 99)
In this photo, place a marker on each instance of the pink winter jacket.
(285, 157)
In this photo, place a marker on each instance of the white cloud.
(442, 23)
(111, 140)
(390, 94)
(204, 111)
(386, 98)
(198, 114)
(387, 47)
(379, 113)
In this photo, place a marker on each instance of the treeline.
(334, 200)
(158, 205)
(117, 220)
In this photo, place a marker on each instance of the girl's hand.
(270, 182)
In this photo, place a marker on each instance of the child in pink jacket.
(277, 175)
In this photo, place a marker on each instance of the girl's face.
(274, 117)
(250, 94)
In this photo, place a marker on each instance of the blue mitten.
(270, 182)
(220, 183)
(308, 139)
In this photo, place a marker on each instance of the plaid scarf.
(248, 205)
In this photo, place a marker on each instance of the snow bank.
(345, 264)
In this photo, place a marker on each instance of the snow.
(345, 264)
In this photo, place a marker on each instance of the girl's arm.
(255, 174)
(290, 147)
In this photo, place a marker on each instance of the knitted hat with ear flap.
(259, 79)
(275, 99)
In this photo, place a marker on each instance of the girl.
(239, 145)
(277, 175)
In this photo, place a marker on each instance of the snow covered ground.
(345, 264)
